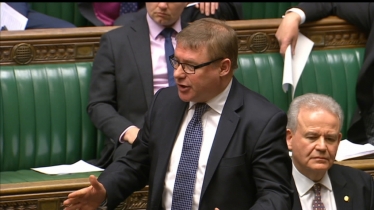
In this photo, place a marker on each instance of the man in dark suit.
(313, 136)
(361, 129)
(129, 67)
(243, 161)
(109, 13)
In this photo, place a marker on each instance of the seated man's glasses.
(188, 68)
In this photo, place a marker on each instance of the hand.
(288, 32)
(207, 8)
(131, 134)
(88, 198)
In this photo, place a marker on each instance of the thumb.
(93, 181)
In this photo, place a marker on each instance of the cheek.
(303, 148)
(333, 149)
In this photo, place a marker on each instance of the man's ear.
(289, 137)
(225, 67)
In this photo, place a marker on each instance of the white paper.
(12, 19)
(78, 167)
(294, 65)
(348, 150)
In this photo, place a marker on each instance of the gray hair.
(312, 101)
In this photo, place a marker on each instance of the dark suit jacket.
(361, 15)
(121, 88)
(346, 181)
(248, 165)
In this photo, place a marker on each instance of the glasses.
(188, 68)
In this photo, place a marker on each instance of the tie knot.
(167, 32)
(317, 188)
(200, 109)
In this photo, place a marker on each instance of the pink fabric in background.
(107, 12)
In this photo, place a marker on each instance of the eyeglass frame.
(171, 59)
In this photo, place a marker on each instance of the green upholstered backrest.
(330, 72)
(64, 10)
(262, 10)
(43, 118)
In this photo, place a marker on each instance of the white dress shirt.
(306, 194)
(210, 122)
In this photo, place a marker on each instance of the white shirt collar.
(304, 184)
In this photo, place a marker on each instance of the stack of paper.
(348, 150)
(11, 19)
(78, 167)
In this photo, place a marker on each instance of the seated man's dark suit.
(248, 165)
(346, 181)
(122, 83)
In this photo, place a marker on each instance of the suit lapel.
(296, 199)
(339, 186)
(138, 37)
(171, 123)
(225, 130)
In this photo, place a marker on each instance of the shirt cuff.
(103, 204)
(123, 133)
(299, 12)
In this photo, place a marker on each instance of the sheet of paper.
(294, 65)
(10, 18)
(78, 167)
(348, 150)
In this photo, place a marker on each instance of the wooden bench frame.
(80, 45)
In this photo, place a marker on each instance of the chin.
(321, 167)
(184, 97)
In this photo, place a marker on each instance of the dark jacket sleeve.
(357, 13)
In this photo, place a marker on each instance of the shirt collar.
(155, 28)
(304, 184)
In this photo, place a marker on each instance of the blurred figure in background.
(361, 129)
(37, 19)
(106, 13)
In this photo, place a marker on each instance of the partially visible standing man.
(361, 129)
(313, 136)
(237, 138)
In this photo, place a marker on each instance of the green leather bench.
(330, 72)
(43, 98)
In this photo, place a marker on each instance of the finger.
(293, 46)
(207, 8)
(93, 181)
(202, 7)
(213, 7)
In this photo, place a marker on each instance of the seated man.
(111, 13)
(313, 136)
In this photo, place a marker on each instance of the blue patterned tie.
(169, 50)
(127, 7)
(317, 202)
(186, 174)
